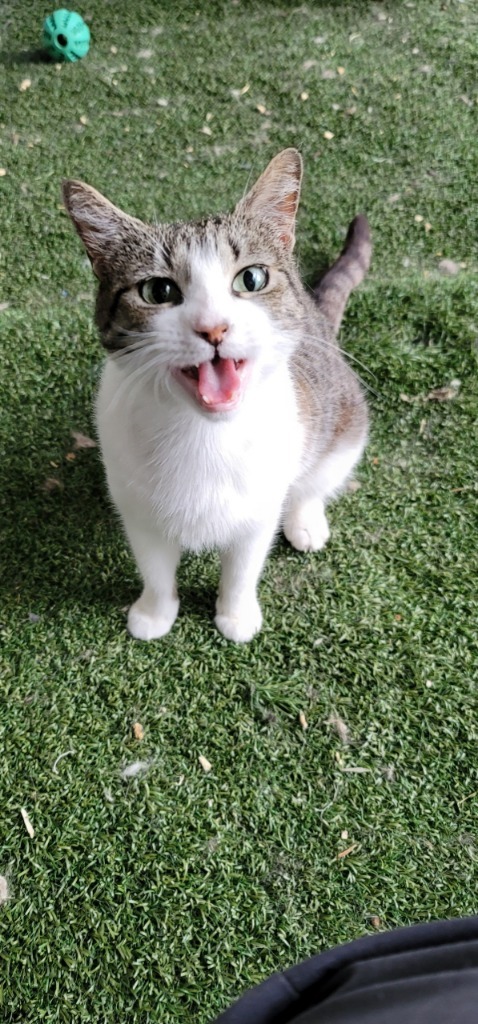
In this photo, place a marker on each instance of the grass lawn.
(159, 899)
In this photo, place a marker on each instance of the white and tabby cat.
(226, 408)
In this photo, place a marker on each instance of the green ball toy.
(66, 36)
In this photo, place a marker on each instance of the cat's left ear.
(275, 195)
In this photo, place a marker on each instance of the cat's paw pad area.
(307, 531)
(146, 626)
(240, 627)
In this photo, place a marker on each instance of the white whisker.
(338, 351)
(136, 377)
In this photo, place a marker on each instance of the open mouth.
(217, 385)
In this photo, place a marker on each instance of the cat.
(226, 408)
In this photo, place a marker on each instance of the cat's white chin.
(225, 396)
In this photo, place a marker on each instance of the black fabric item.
(427, 974)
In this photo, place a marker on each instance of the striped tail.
(333, 290)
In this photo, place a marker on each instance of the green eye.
(160, 291)
(252, 279)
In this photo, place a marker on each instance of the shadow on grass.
(34, 56)
(65, 545)
(53, 547)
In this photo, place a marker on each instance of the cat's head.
(212, 306)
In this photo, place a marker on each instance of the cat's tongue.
(219, 382)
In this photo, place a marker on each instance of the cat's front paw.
(307, 528)
(241, 625)
(145, 623)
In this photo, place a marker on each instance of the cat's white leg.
(305, 523)
(238, 613)
(153, 614)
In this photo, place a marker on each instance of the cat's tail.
(333, 290)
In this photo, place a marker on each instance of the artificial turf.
(161, 898)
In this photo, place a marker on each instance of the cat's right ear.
(275, 195)
(96, 220)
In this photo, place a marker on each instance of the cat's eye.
(160, 291)
(252, 279)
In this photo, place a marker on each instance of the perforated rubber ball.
(66, 36)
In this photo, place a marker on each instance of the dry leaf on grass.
(205, 764)
(52, 484)
(27, 822)
(82, 440)
(303, 721)
(444, 394)
(340, 727)
(138, 731)
(449, 268)
(130, 771)
(4, 893)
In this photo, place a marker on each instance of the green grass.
(161, 899)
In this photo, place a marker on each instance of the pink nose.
(214, 335)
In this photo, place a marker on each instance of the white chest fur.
(202, 481)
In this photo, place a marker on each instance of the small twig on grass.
(350, 849)
(59, 758)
